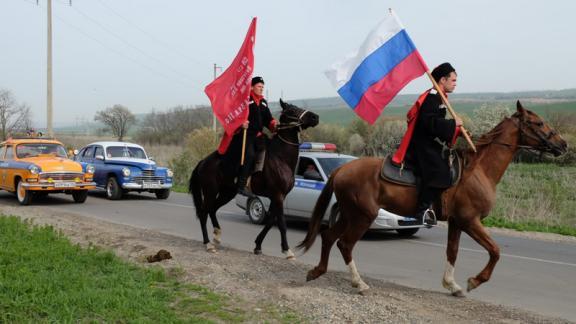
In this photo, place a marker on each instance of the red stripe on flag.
(381, 93)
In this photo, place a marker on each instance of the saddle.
(404, 174)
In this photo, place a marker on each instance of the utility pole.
(216, 67)
(49, 71)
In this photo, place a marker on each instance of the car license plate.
(151, 185)
(64, 184)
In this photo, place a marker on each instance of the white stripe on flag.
(342, 71)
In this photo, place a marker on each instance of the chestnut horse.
(360, 192)
(211, 188)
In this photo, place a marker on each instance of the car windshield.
(37, 149)
(329, 164)
(125, 152)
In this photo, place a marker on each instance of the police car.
(315, 163)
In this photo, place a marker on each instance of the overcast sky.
(156, 54)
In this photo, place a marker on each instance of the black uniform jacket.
(431, 126)
(259, 116)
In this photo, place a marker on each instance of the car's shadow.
(127, 196)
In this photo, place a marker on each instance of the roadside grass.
(45, 278)
(536, 197)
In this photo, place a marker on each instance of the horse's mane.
(470, 157)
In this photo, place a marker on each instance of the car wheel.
(334, 215)
(162, 193)
(407, 232)
(113, 191)
(80, 196)
(24, 196)
(256, 211)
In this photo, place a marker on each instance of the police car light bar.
(319, 147)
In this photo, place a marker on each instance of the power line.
(165, 44)
(182, 75)
(79, 30)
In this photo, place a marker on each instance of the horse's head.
(537, 134)
(292, 115)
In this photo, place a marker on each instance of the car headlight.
(169, 173)
(34, 169)
(90, 169)
(126, 172)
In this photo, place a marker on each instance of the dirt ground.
(265, 280)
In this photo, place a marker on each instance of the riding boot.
(424, 212)
(242, 188)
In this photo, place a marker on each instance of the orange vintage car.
(32, 167)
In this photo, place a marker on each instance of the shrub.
(198, 144)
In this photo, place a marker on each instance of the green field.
(343, 115)
(46, 279)
(536, 197)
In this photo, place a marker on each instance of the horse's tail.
(195, 189)
(318, 214)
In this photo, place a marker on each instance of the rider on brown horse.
(431, 133)
(258, 118)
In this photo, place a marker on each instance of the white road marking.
(501, 254)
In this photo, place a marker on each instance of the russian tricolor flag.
(370, 78)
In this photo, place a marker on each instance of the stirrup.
(429, 218)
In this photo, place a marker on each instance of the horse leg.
(203, 216)
(346, 243)
(477, 231)
(260, 238)
(223, 198)
(451, 253)
(281, 223)
(329, 236)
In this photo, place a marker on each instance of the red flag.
(230, 92)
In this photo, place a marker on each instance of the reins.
(292, 124)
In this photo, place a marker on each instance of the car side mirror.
(99, 157)
(151, 158)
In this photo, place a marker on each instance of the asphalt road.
(534, 275)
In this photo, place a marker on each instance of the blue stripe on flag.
(376, 66)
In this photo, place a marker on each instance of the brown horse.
(212, 188)
(360, 192)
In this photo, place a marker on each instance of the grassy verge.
(180, 188)
(45, 278)
(536, 197)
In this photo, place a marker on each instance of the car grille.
(62, 176)
(148, 176)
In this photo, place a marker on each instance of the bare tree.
(13, 116)
(118, 119)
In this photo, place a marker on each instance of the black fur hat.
(256, 80)
(442, 70)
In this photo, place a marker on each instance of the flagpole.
(243, 146)
(451, 110)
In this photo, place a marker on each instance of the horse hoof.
(310, 276)
(257, 251)
(211, 248)
(472, 284)
(364, 292)
(458, 293)
(289, 255)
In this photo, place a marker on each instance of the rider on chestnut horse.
(431, 133)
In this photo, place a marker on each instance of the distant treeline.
(172, 126)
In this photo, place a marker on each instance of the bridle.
(293, 123)
(543, 139)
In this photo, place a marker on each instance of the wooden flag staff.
(452, 112)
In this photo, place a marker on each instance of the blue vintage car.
(121, 167)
